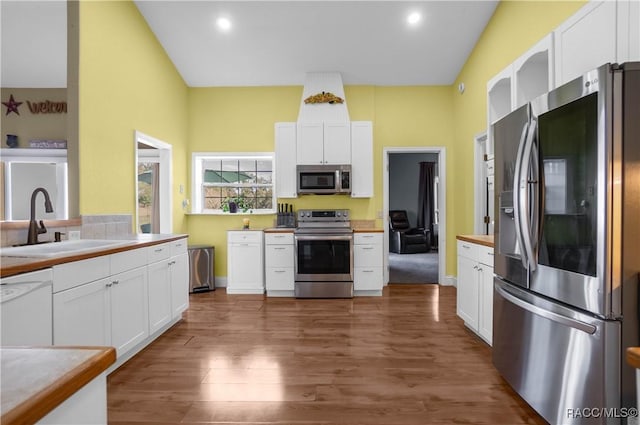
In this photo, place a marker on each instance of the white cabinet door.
(310, 144)
(337, 143)
(159, 295)
(286, 160)
(179, 284)
(82, 316)
(245, 262)
(361, 159)
(367, 262)
(467, 293)
(485, 325)
(129, 309)
(585, 41)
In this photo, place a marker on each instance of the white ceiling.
(270, 42)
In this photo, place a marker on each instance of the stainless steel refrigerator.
(567, 247)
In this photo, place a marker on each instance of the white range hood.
(317, 83)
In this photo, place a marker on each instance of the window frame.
(198, 159)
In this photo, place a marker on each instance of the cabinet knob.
(108, 285)
(115, 282)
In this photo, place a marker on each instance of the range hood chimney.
(317, 83)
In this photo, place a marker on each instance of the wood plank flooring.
(404, 358)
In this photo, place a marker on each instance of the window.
(246, 179)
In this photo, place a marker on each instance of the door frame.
(442, 205)
(162, 153)
(480, 177)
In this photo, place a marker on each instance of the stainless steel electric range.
(323, 254)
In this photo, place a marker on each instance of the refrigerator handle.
(539, 311)
(524, 204)
(517, 213)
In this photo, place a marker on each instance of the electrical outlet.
(74, 235)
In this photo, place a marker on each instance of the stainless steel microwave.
(323, 179)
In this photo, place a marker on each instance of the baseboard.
(221, 281)
(450, 281)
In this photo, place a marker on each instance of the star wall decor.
(12, 105)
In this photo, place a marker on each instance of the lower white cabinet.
(122, 300)
(475, 288)
(279, 264)
(245, 262)
(367, 263)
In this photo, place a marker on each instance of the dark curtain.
(425, 198)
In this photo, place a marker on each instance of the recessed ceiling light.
(224, 24)
(414, 18)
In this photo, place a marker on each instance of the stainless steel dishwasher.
(201, 268)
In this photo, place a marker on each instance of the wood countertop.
(10, 266)
(35, 380)
(486, 240)
(633, 356)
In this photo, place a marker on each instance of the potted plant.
(232, 204)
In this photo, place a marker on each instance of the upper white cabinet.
(588, 39)
(285, 159)
(323, 143)
(533, 72)
(361, 159)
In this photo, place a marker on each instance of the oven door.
(323, 258)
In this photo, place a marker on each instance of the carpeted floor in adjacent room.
(413, 268)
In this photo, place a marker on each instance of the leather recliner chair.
(403, 239)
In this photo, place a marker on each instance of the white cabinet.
(475, 288)
(586, 40)
(285, 146)
(129, 309)
(82, 315)
(367, 263)
(109, 311)
(361, 159)
(179, 277)
(123, 299)
(279, 264)
(159, 295)
(245, 262)
(323, 143)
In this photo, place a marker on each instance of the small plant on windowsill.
(233, 204)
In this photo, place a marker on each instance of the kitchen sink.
(53, 249)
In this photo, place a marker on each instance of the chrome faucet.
(34, 229)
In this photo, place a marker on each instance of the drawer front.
(367, 238)
(485, 255)
(158, 252)
(128, 260)
(279, 256)
(178, 247)
(244, 237)
(278, 238)
(70, 275)
(367, 255)
(279, 278)
(468, 249)
(367, 278)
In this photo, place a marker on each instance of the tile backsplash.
(107, 226)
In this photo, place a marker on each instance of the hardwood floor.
(404, 358)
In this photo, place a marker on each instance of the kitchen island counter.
(10, 266)
(486, 240)
(36, 380)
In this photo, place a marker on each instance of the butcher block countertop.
(35, 380)
(633, 356)
(486, 240)
(10, 266)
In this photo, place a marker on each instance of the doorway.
(401, 171)
(153, 185)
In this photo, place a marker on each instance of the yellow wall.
(513, 29)
(242, 119)
(126, 83)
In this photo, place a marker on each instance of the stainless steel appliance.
(323, 179)
(201, 264)
(323, 254)
(566, 255)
